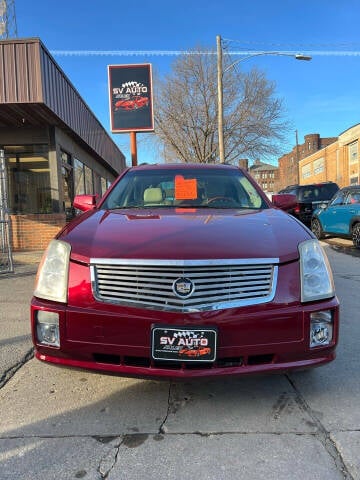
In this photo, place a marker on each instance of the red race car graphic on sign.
(132, 103)
(195, 352)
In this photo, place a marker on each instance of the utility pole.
(220, 72)
(297, 175)
(220, 100)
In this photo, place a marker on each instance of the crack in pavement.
(109, 460)
(9, 373)
(323, 434)
(162, 428)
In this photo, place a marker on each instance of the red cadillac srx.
(185, 271)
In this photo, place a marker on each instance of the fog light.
(321, 328)
(47, 328)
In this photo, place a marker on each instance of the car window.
(338, 199)
(212, 188)
(317, 193)
(327, 191)
(354, 197)
(308, 194)
(293, 191)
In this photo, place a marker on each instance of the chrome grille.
(217, 284)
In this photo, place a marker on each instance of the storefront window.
(103, 185)
(68, 184)
(89, 182)
(79, 177)
(28, 170)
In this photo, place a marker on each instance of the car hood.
(184, 234)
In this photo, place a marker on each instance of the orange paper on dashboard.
(185, 188)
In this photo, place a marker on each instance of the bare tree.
(186, 112)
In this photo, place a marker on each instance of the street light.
(220, 73)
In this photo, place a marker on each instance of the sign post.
(133, 149)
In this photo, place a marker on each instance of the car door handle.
(352, 211)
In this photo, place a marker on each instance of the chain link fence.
(6, 260)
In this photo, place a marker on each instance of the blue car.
(341, 217)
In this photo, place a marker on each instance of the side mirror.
(85, 202)
(284, 201)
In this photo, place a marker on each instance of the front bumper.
(117, 340)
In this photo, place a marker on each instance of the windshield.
(199, 188)
(317, 193)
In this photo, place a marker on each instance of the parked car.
(341, 217)
(177, 257)
(132, 103)
(309, 197)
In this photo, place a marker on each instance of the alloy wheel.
(316, 228)
(355, 235)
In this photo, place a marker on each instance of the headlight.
(47, 328)
(321, 328)
(316, 277)
(52, 277)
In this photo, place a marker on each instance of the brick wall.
(34, 232)
(331, 164)
(288, 163)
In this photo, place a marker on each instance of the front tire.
(355, 235)
(317, 229)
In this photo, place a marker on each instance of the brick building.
(337, 162)
(289, 163)
(266, 175)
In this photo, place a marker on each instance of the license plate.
(193, 344)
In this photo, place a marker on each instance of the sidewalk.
(27, 258)
(24, 263)
(340, 242)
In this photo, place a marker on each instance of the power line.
(166, 53)
(337, 45)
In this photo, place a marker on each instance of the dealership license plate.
(193, 344)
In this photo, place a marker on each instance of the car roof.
(351, 187)
(320, 184)
(185, 166)
(310, 185)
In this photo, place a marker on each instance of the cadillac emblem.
(183, 287)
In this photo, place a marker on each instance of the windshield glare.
(184, 188)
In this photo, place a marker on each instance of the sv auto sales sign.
(131, 99)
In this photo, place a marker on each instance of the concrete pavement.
(15, 294)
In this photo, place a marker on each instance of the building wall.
(349, 144)
(266, 175)
(34, 232)
(289, 163)
(337, 162)
(321, 166)
(20, 71)
(25, 135)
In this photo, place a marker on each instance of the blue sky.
(321, 96)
